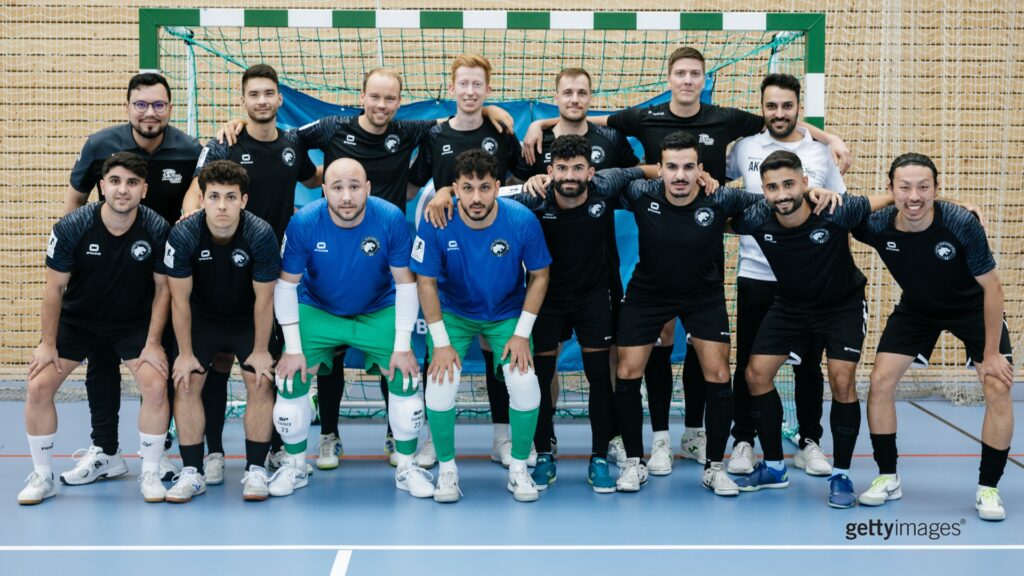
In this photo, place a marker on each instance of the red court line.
(369, 457)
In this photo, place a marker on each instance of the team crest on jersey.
(171, 175)
(704, 216)
(391, 142)
(490, 145)
(141, 250)
(596, 154)
(369, 245)
(706, 140)
(596, 210)
(945, 251)
(239, 257)
(499, 247)
(819, 235)
(288, 157)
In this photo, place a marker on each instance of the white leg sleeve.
(441, 395)
(523, 389)
(291, 418)
(405, 413)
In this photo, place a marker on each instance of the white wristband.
(407, 308)
(525, 325)
(292, 340)
(403, 340)
(438, 334)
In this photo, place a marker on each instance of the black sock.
(993, 462)
(845, 423)
(630, 412)
(386, 395)
(169, 439)
(718, 418)
(192, 455)
(545, 367)
(884, 448)
(767, 412)
(255, 453)
(497, 392)
(276, 443)
(329, 390)
(694, 390)
(215, 404)
(658, 377)
(600, 403)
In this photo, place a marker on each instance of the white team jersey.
(745, 162)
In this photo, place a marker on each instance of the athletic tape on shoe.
(405, 413)
(523, 389)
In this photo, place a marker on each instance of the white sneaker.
(152, 489)
(390, 451)
(616, 451)
(447, 487)
(521, 484)
(531, 460)
(414, 480)
(168, 469)
(812, 460)
(93, 464)
(742, 459)
(632, 475)
(255, 484)
(694, 445)
(213, 469)
(288, 479)
(884, 488)
(427, 455)
(38, 487)
(660, 463)
(330, 450)
(186, 485)
(501, 451)
(717, 480)
(276, 460)
(989, 504)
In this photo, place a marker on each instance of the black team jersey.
(936, 267)
(715, 127)
(581, 240)
(812, 262)
(111, 276)
(273, 167)
(169, 166)
(385, 157)
(437, 155)
(222, 274)
(680, 246)
(608, 149)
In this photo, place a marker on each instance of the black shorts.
(789, 330)
(592, 317)
(211, 337)
(77, 339)
(641, 319)
(912, 333)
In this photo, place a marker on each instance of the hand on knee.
(440, 396)
(523, 389)
(405, 414)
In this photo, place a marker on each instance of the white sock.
(501, 432)
(661, 435)
(41, 448)
(298, 461)
(691, 431)
(449, 465)
(838, 471)
(402, 459)
(151, 447)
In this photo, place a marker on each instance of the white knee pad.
(405, 413)
(291, 418)
(523, 389)
(441, 395)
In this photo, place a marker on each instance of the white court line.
(340, 566)
(510, 548)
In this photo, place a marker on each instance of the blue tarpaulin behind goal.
(300, 109)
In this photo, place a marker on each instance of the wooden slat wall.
(942, 78)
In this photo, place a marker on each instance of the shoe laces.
(813, 450)
(36, 479)
(990, 496)
(257, 474)
(880, 482)
(411, 469)
(659, 445)
(521, 477)
(149, 477)
(449, 479)
(327, 445)
(86, 456)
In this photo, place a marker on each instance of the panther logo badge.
(945, 251)
(141, 250)
(391, 142)
(819, 235)
(369, 245)
(490, 145)
(239, 257)
(288, 157)
(499, 248)
(704, 216)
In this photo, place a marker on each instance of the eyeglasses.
(159, 106)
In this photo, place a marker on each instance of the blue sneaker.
(763, 477)
(840, 492)
(544, 472)
(598, 476)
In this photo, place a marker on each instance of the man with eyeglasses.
(171, 156)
